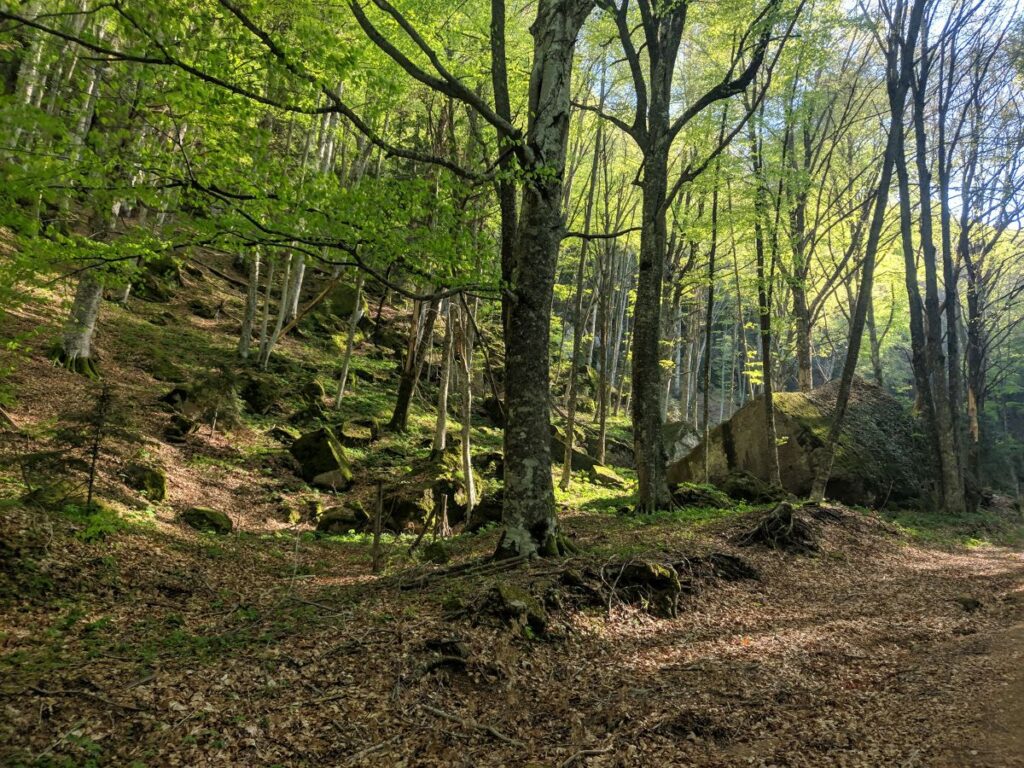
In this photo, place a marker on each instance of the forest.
(544, 383)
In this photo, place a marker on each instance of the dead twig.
(584, 753)
(87, 695)
(469, 722)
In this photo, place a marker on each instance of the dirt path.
(1002, 726)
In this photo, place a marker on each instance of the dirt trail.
(1002, 743)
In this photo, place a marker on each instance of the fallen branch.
(472, 724)
(374, 748)
(88, 695)
(584, 753)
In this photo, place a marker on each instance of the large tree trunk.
(76, 341)
(578, 320)
(531, 526)
(652, 493)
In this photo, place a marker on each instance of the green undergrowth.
(985, 527)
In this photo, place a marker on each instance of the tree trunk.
(76, 341)
(411, 375)
(531, 526)
(447, 350)
(466, 398)
(251, 305)
(353, 323)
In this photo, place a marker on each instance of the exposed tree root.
(84, 366)
(781, 529)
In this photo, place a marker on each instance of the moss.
(206, 519)
(152, 482)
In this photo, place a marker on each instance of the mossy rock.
(163, 369)
(879, 456)
(261, 393)
(652, 583)
(605, 477)
(358, 432)
(322, 460)
(54, 494)
(516, 606)
(700, 495)
(284, 435)
(342, 519)
(150, 481)
(313, 391)
(206, 519)
(203, 309)
(437, 552)
(342, 300)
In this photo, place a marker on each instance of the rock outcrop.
(879, 457)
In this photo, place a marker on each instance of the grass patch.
(983, 528)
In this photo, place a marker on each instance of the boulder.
(358, 432)
(515, 605)
(601, 475)
(340, 520)
(261, 393)
(700, 495)
(437, 552)
(206, 519)
(581, 462)
(203, 309)
(487, 512)
(150, 481)
(322, 460)
(679, 438)
(491, 463)
(879, 456)
(491, 410)
(283, 435)
(616, 452)
(179, 428)
(342, 300)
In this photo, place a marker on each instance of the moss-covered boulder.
(322, 460)
(700, 495)
(261, 393)
(581, 462)
(206, 519)
(342, 519)
(606, 477)
(437, 552)
(342, 300)
(879, 456)
(150, 481)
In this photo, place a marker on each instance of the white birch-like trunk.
(268, 343)
(353, 322)
(466, 397)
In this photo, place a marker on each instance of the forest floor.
(128, 639)
(159, 646)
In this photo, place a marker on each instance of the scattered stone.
(179, 428)
(284, 435)
(516, 606)
(206, 519)
(150, 481)
(202, 309)
(342, 519)
(261, 393)
(969, 604)
(322, 460)
(437, 552)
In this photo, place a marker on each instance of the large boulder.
(879, 456)
(679, 438)
(340, 520)
(322, 460)
(581, 462)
